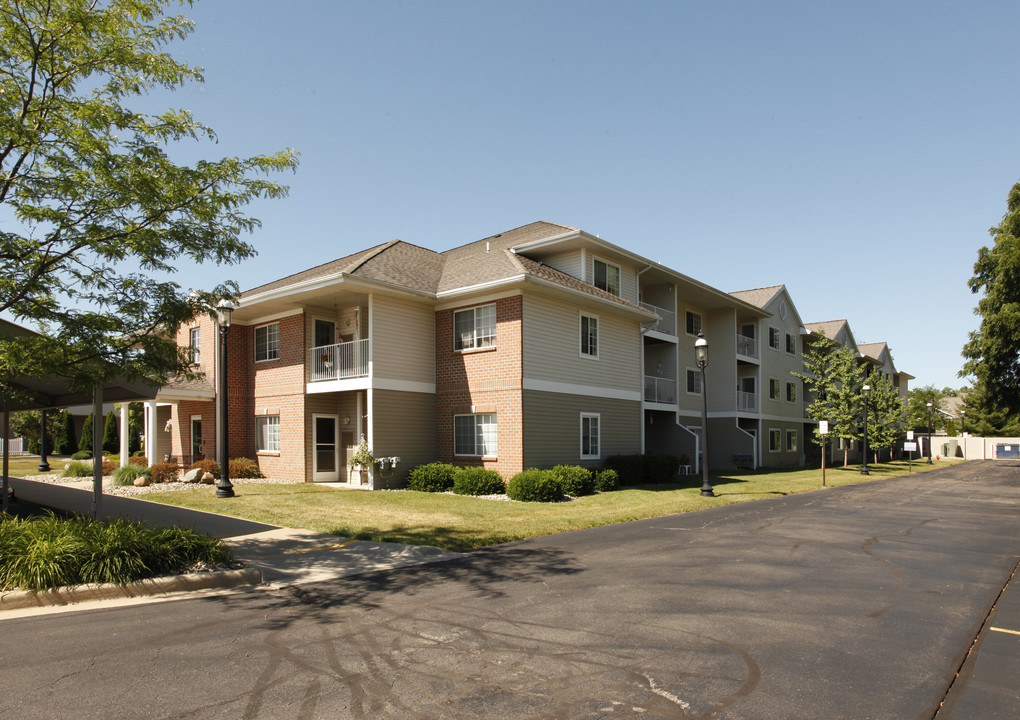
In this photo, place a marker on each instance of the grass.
(27, 466)
(462, 523)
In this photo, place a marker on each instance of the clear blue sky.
(857, 152)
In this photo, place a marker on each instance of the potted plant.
(362, 459)
(326, 361)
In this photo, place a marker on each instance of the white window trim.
(475, 436)
(259, 436)
(619, 271)
(701, 321)
(697, 373)
(580, 336)
(474, 328)
(790, 433)
(779, 340)
(255, 347)
(779, 444)
(580, 448)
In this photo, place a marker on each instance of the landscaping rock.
(208, 479)
(141, 481)
(192, 476)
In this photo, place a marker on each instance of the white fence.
(975, 448)
(17, 446)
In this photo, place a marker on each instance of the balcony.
(667, 324)
(338, 362)
(660, 390)
(747, 401)
(747, 346)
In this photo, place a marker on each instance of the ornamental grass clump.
(432, 477)
(575, 480)
(535, 485)
(128, 474)
(77, 469)
(478, 481)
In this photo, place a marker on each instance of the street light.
(929, 434)
(866, 390)
(701, 355)
(43, 465)
(224, 488)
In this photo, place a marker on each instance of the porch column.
(125, 446)
(151, 442)
(5, 438)
(97, 450)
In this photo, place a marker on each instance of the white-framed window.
(606, 277)
(474, 327)
(693, 381)
(267, 342)
(773, 338)
(195, 344)
(267, 433)
(590, 441)
(775, 389)
(791, 392)
(775, 439)
(589, 336)
(791, 440)
(693, 323)
(791, 344)
(475, 435)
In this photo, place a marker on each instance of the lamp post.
(929, 434)
(224, 488)
(701, 355)
(43, 465)
(866, 390)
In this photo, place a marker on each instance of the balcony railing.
(662, 390)
(338, 362)
(667, 324)
(746, 346)
(747, 401)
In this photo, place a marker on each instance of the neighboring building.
(878, 354)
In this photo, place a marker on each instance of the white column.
(125, 451)
(151, 441)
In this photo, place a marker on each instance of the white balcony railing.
(746, 401)
(748, 347)
(667, 324)
(338, 362)
(662, 390)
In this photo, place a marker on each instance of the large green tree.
(833, 378)
(993, 350)
(95, 208)
(885, 413)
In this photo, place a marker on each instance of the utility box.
(1007, 451)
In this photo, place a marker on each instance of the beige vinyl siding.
(551, 346)
(342, 405)
(782, 458)
(568, 262)
(779, 364)
(404, 340)
(404, 425)
(721, 333)
(552, 428)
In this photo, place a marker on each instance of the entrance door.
(325, 333)
(326, 448)
(196, 438)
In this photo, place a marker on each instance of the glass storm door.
(326, 451)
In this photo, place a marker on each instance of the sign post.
(910, 446)
(823, 430)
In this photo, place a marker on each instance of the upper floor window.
(773, 338)
(694, 381)
(791, 392)
(774, 389)
(474, 328)
(195, 344)
(590, 336)
(791, 344)
(607, 277)
(693, 323)
(590, 436)
(267, 342)
(475, 435)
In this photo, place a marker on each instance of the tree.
(111, 437)
(917, 408)
(834, 378)
(92, 190)
(885, 413)
(993, 350)
(86, 435)
(65, 442)
(27, 425)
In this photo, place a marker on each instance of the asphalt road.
(855, 602)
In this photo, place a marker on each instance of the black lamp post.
(929, 434)
(43, 465)
(701, 355)
(866, 390)
(224, 488)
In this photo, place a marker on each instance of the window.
(693, 323)
(589, 436)
(774, 440)
(773, 338)
(791, 440)
(267, 433)
(607, 277)
(791, 392)
(694, 381)
(775, 391)
(474, 328)
(195, 343)
(475, 435)
(267, 342)
(590, 336)
(791, 344)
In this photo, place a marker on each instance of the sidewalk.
(274, 555)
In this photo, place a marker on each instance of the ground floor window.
(267, 433)
(589, 436)
(791, 440)
(475, 435)
(775, 440)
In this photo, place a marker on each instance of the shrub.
(208, 466)
(77, 468)
(108, 467)
(243, 468)
(629, 468)
(165, 472)
(126, 475)
(138, 453)
(82, 455)
(661, 468)
(534, 485)
(478, 481)
(606, 480)
(432, 477)
(141, 461)
(575, 480)
(111, 437)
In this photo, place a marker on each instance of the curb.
(17, 599)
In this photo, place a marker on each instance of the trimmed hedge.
(649, 469)
(606, 480)
(140, 461)
(165, 472)
(478, 481)
(82, 455)
(630, 469)
(575, 480)
(208, 466)
(432, 477)
(243, 468)
(535, 485)
(661, 468)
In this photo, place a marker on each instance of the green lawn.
(462, 523)
(25, 466)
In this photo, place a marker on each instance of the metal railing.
(746, 401)
(667, 324)
(748, 347)
(339, 361)
(662, 390)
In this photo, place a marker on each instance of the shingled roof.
(759, 297)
